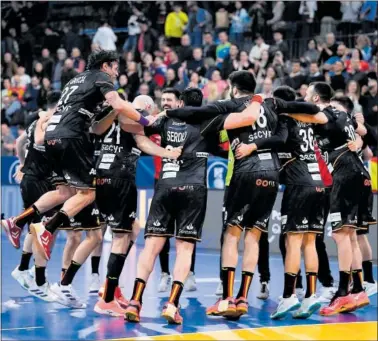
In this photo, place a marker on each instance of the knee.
(340, 235)
(95, 237)
(136, 230)
(184, 248)
(153, 245)
(73, 238)
(90, 196)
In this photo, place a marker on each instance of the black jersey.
(36, 162)
(191, 167)
(332, 139)
(118, 154)
(76, 107)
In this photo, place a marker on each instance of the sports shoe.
(241, 306)
(165, 282)
(264, 291)
(12, 231)
(361, 298)
(67, 296)
(132, 313)
(42, 239)
(284, 306)
(226, 308)
(23, 278)
(309, 306)
(190, 283)
(109, 308)
(326, 294)
(300, 292)
(95, 285)
(341, 304)
(370, 288)
(32, 272)
(219, 291)
(121, 300)
(172, 313)
(43, 292)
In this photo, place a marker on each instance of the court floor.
(27, 318)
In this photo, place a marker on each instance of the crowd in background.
(187, 44)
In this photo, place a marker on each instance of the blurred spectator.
(312, 53)
(296, 78)
(197, 62)
(255, 53)
(147, 39)
(175, 24)
(279, 45)
(183, 79)
(11, 44)
(209, 48)
(356, 73)
(338, 79)
(368, 14)
(328, 49)
(209, 68)
(302, 91)
(45, 89)
(175, 64)
(221, 20)
(71, 38)
(47, 62)
(132, 75)
(276, 21)
(133, 29)
(6, 88)
(352, 90)
(122, 83)
(144, 89)
(8, 141)
(150, 81)
(12, 112)
(240, 20)
(38, 70)
(267, 88)
(315, 75)
(78, 62)
(68, 72)
(357, 56)
(10, 67)
(369, 104)
(31, 95)
(24, 78)
(349, 21)
(51, 40)
(230, 63)
(170, 79)
(105, 37)
(257, 14)
(195, 81)
(214, 89)
(271, 73)
(26, 45)
(243, 62)
(223, 48)
(17, 87)
(58, 68)
(199, 22)
(364, 45)
(185, 51)
(159, 69)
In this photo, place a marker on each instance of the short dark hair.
(345, 101)
(172, 91)
(53, 98)
(295, 61)
(324, 91)
(192, 97)
(285, 92)
(97, 58)
(244, 81)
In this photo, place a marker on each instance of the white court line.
(24, 328)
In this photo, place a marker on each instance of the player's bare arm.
(149, 147)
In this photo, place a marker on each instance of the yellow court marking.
(333, 331)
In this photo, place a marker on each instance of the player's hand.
(360, 117)
(244, 150)
(352, 145)
(151, 120)
(174, 153)
(163, 113)
(18, 175)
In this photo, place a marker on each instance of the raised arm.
(101, 126)
(21, 142)
(148, 147)
(319, 118)
(247, 117)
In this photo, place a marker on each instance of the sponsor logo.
(367, 182)
(216, 173)
(156, 223)
(53, 142)
(240, 218)
(283, 219)
(169, 175)
(178, 123)
(304, 221)
(111, 148)
(12, 171)
(319, 189)
(67, 177)
(235, 143)
(335, 218)
(103, 181)
(188, 232)
(135, 151)
(95, 211)
(133, 215)
(176, 137)
(308, 157)
(92, 172)
(111, 218)
(201, 154)
(190, 227)
(265, 183)
(158, 229)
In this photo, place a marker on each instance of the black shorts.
(32, 189)
(86, 220)
(250, 200)
(302, 209)
(117, 202)
(365, 209)
(346, 193)
(72, 162)
(185, 205)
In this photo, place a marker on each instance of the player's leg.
(165, 277)
(72, 243)
(263, 266)
(190, 282)
(95, 284)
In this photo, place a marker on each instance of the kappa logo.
(156, 223)
(111, 218)
(133, 215)
(190, 227)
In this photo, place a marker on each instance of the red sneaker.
(132, 313)
(172, 314)
(43, 239)
(342, 304)
(226, 308)
(241, 306)
(361, 299)
(121, 300)
(12, 231)
(111, 308)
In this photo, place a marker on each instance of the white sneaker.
(370, 288)
(309, 306)
(95, 284)
(67, 296)
(23, 278)
(190, 283)
(284, 306)
(219, 291)
(326, 294)
(165, 282)
(43, 292)
(300, 292)
(264, 291)
(32, 272)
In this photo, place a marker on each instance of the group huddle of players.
(78, 174)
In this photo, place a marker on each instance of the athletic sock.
(138, 290)
(311, 278)
(343, 289)
(289, 284)
(27, 216)
(228, 276)
(60, 218)
(62, 273)
(367, 266)
(25, 259)
(357, 281)
(176, 292)
(115, 266)
(131, 243)
(95, 262)
(70, 273)
(245, 284)
(193, 264)
(298, 283)
(40, 277)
